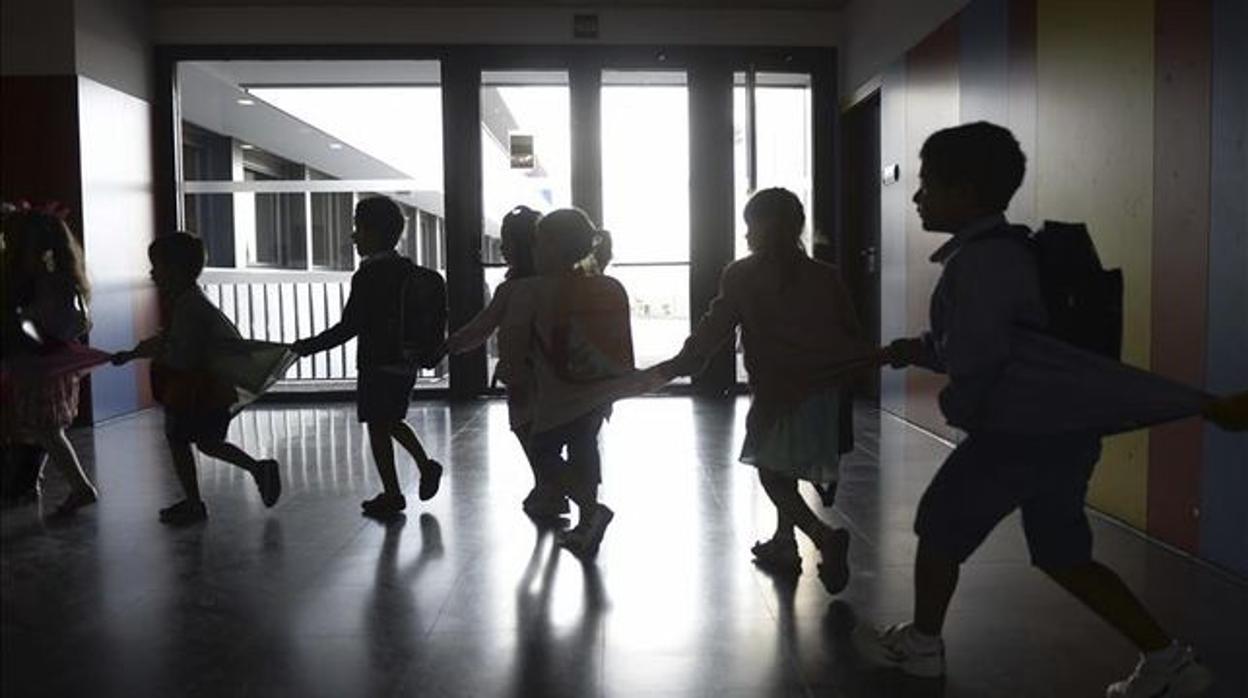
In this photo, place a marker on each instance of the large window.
(280, 219)
(773, 142)
(526, 158)
(773, 147)
(333, 218)
(645, 202)
(275, 155)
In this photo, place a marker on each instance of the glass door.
(526, 159)
(773, 146)
(645, 202)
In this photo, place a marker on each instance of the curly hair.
(34, 233)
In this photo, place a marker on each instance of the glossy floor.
(467, 598)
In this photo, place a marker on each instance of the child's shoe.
(901, 647)
(430, 479)
(586, 538)
(545, 503)
(1173, 672)
(834, 568)
(384, 506)
(184, 513)
(269, 481)
(75, 501)
(778, 557)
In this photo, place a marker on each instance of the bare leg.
(784, 528)
(406, 436)
(184, 468)
(228, 452)
(65, 459)
(792, 509)
(1104, 592)
(935, 579)
(379, 434)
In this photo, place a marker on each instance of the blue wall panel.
(983, 81)
(1224, 487)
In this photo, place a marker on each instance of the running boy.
(380, 291)
(197, 402)
(989, 284)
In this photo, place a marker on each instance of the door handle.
(869, 260)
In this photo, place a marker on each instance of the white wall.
(113, 40)
(450, 25)
(878, 32)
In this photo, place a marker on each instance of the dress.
(37, 400)
(800, 334)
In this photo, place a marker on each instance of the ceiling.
(805, 5)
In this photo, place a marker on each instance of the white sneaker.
(901, 647)
(1174, 672)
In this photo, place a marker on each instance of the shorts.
(383, 396)
(989, 475)
(202, 426)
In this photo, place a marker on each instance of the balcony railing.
(282, 306)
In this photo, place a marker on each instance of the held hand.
(121, 357)
(300, 347)
(454, 344)
(1229, 413)
(669, 369)
(903, 352)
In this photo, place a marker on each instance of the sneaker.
(74, 502)
(184, 513)
(269, 481)
(1174, 672)
(834, 569)
(584, 540)
(901, 647)
(384, 506)
(430, 479)
(778, 557)
(543, 503)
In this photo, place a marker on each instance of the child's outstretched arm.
(713, 329)
(340, 333)
(479, 329)
(145, 349)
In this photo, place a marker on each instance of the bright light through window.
(400, 126)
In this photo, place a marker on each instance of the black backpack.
(1082, 298)
(422, 317)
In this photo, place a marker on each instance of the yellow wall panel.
(1094, 163)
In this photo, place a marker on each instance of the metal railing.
(282, 306)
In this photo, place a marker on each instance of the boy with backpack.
(990, 285)
(398, 311)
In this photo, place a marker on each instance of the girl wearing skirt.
(800, 333)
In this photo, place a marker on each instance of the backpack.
(592, 336)
(422, 317)
(1083, 299)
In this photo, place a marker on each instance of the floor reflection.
(553, 658)
(466, 597)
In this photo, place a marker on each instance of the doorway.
(860, 249)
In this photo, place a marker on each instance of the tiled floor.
(467, 598)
